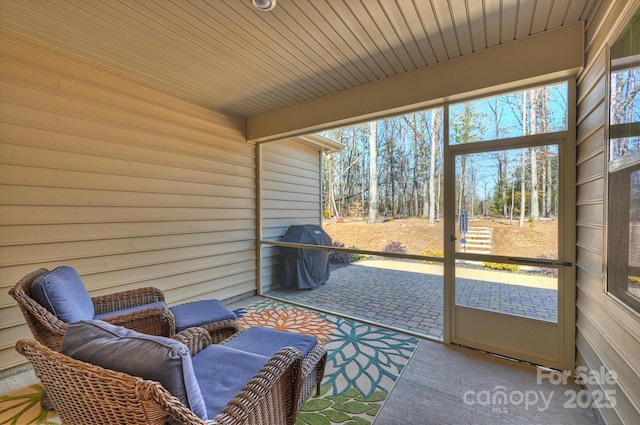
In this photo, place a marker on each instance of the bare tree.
(331, 193)
(534, 212)
(624, 89)
(467, 127)
(523, 189)
(373, 172)
(415, 183)
(434, 137)
(430, 198)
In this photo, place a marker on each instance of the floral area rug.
(363, 361)
(363, 364)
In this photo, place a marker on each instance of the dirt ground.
(534, 240)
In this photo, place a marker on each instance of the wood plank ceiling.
(227, 56)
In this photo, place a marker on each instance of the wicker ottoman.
(266, 341)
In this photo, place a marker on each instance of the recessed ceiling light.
(264, 5)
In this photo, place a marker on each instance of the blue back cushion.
(62, 292)
(157, 358)
(222, 372)
(267, 342)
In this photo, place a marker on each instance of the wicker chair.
(49, 330)
(83, 393)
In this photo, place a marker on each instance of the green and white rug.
(363, 364)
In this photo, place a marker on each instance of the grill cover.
(303, 268)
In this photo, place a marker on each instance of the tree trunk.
(504, 166)
(463, 164)
(439, 189)
(543, 184)
(373, 172)
(415, 184)
(435, 135)
(535, 210)
(332, 199)
(523, 190)
(549, 184)
(472, 193)
(513, 201)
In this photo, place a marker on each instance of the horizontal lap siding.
(290, 196)
(131, 186)
(607, 335)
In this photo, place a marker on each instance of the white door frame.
(545, 343)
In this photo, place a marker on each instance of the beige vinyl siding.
(131, 186)
(290, 196)
(606, 334)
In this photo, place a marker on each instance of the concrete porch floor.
(445, 385)
(451, 385)
(441, 383)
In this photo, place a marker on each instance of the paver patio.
(408, 296)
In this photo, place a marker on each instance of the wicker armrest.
(317, 356)
(49, 320)
(171, 405)
(45, 327)
(268, 394)
(126, 299)
(153, 321)
(48, 328)
(221, 330)
(195, 339)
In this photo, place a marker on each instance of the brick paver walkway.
(409, 295)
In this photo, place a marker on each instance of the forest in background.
(393, 168)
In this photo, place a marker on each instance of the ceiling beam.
(553, 54)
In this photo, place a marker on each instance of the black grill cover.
(303, 268)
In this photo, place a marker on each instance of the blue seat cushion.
(222, 372)
(267, 342)
(156, 358)
(200, 313)
(104, 316)
(62, 292)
